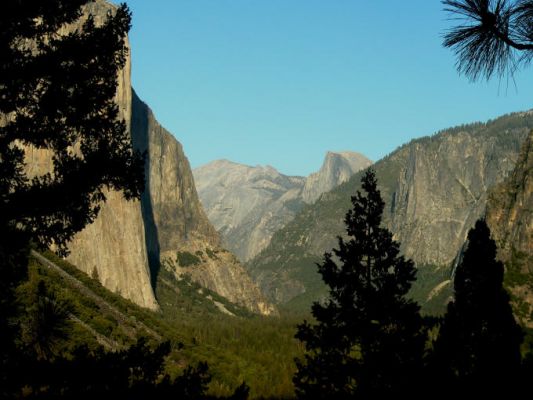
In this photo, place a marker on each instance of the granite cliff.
(434, 189)
(248, 204)
(128, 241)
(175, 222)
(510, 217)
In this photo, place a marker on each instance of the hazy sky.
(280, 82)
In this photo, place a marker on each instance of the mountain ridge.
(434, 189)
(247, 204)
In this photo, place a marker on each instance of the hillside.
(200, 325)
(434, 189)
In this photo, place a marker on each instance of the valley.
(220, 264)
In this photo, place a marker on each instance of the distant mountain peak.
(337, 168)
(248, 204)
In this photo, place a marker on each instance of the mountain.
(175, 222)
(130, 240)
(510, 217)
(248, 204)
(336, 169)
(434, 188)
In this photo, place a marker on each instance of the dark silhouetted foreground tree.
(368, 340)
(479, 342)
(57, 89)
(495, 38)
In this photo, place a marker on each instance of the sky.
(281, 82)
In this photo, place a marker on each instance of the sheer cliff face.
(247, 205)
(114, 245)
(434, 189)
(170, 201)
(175, 221)
(130, 236)
(510, 217)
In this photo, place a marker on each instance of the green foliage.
(244, 347)
(186, 259)
(211, 254)
(368, 341)
(56, 94)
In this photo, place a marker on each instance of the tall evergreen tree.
(368, 339)
(57, 89)
(479, 340)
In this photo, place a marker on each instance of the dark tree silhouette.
(57, 93)
(495, 37)
(479, 340)
(133, 373)
(57, 89)
(368, 339)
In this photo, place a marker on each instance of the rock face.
(434, 189)
(114, 245)
(336, 169)
(128, 240)
(170, 202)
(510, 217)
(248, 204)
(175, 221)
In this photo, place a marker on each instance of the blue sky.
(280, 82)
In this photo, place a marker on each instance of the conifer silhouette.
(368, 340)
(479, 340)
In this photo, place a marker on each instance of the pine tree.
(479, 341)
(368, 339)
(494, 38)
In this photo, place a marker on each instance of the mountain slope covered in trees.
(434, 189)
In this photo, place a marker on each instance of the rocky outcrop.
(175, 221)
(510, 218)
(170, 202)
(434, 188)
(336, 169)
(248, 204)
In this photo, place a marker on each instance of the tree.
(57, 93)
(57, 89)
(47, 320)
(495, 38)
(368, 339)
(479, 339)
